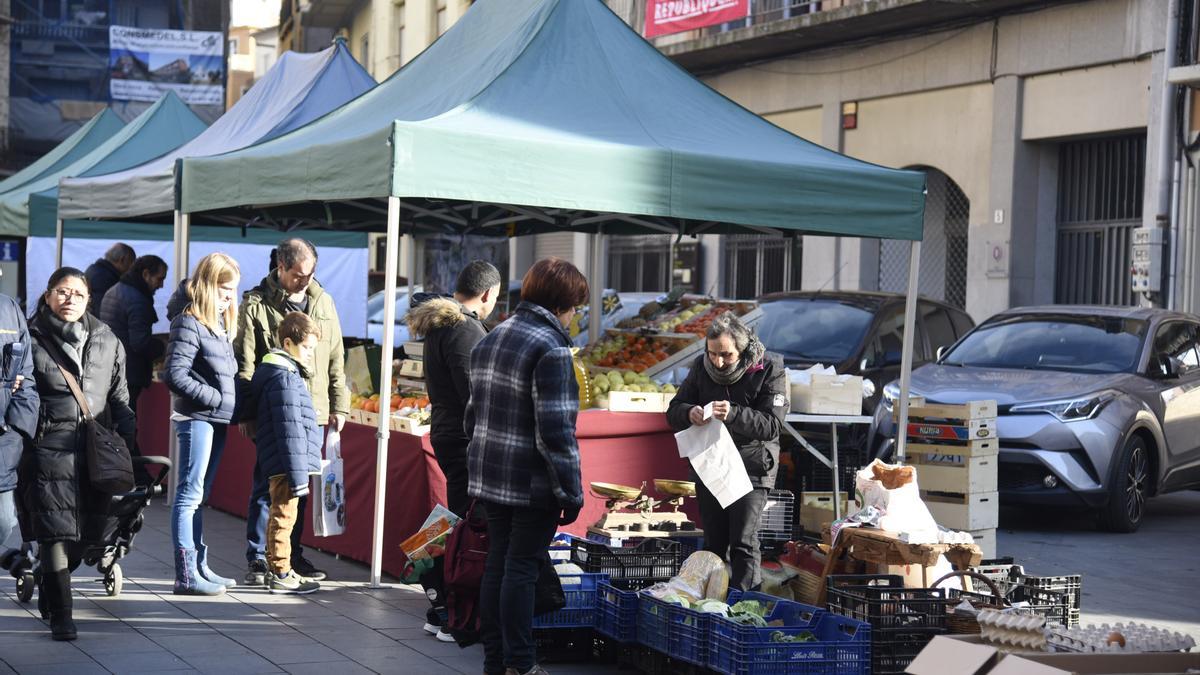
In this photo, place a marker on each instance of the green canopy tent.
(162, 127)
(549, 115)
(97, 130)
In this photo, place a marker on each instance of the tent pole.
(385, 380)
(185, 244)
(906, 357)
(596, 309)
(58, 243)
(412, 265)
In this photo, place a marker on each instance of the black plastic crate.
(564, 645)
(903, 620)
(629, 568)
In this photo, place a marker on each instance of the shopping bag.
(716, 461)
(329, 513)
(548, 595)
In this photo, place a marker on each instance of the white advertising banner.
(146, 62)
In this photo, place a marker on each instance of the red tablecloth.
(625, 448)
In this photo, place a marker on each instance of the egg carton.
(1121, 639)
(1013, 629)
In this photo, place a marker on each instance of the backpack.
(465, 561)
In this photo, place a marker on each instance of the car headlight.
(891, 393)
(1070, 410)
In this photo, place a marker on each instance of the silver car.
(1098, 406)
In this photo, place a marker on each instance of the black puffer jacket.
(101, 276)
(759, 406)
(450, 332)
(128, 309)
(56, 499)
(200, 370)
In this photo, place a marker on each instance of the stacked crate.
(955, 451)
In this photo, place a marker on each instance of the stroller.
(124, 521)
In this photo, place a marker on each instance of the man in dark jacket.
(128, 309)
(451, 328)
(106, 272)
(20, 403)
(748, 390)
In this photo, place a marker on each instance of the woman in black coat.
(748, 389)
(62, 510)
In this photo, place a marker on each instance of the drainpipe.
(1166, 142)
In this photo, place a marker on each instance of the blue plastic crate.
(676, 631)
(842, 645)
(580, 610)
(616, 613)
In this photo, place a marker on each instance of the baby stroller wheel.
(25, 584)
(113, 580)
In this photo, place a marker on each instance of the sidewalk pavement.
(344, 628)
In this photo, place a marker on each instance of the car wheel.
(1129, 490)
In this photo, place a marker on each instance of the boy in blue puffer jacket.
(288, 440)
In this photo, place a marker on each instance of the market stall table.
(614, 447)
(832, 461)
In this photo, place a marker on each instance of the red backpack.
(465, 560)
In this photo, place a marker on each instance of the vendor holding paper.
(747, 390)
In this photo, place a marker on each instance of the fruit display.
(673, 322)
(624, 380)
(400, 404)
(629, 351)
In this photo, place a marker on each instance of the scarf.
(72, 335)
(750, 359)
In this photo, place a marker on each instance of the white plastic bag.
(903, 510)
(329, 489)
(716, 460)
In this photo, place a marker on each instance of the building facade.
(1037, 124)
(253, 44)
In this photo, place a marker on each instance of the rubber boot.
(56, 588)
(39, 580)
(188, 580)
(206, 573)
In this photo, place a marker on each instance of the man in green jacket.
(289, 287)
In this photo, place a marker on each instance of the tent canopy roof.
(97, 130)
(552, 115)
(161, 128)
(298, 89)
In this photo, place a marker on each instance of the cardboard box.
(828, 395)
(969, 655)
(979, 511)
(362, 369)
(635, 401)
(407, 425)
(816, 509)
(370, 419)
(986, 541)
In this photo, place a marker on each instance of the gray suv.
(1098, 406)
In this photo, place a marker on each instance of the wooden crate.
(975, 410)
(636, 401)
(370, 419)
(955, 473)
(407, 425)
(816, 509)
(986, 447)
(355, 416)
(986, 541)
(971, 430)
(970, 512)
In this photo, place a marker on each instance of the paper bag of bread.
(892, 488)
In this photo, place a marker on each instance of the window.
(233, 45)
(441, 21)
(887, 346)
(759, 264)
(1175, 340)
(364, 52)
(937, 326)
(962, 323)
(1066, 343)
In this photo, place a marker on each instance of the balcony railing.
(766, 11)
(50, 30)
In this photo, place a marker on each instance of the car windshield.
(816, 330)
(375, 305)
(1085, 344)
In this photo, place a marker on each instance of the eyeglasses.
(65, 295)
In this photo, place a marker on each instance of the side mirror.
(941, 351)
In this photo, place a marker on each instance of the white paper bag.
(716, 460)
(329, 490)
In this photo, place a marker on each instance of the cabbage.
(712, 607)
(749, 607)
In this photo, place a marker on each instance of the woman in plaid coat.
(523, 459)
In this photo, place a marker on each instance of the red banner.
(674, 16)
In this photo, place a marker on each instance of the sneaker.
(444, 636)
(256, 575)
(304, 568)
(292, 583)
(433, 622)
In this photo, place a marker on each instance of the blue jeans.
(200, 447)
(518, 539)
(8, 517)
(256, 520)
